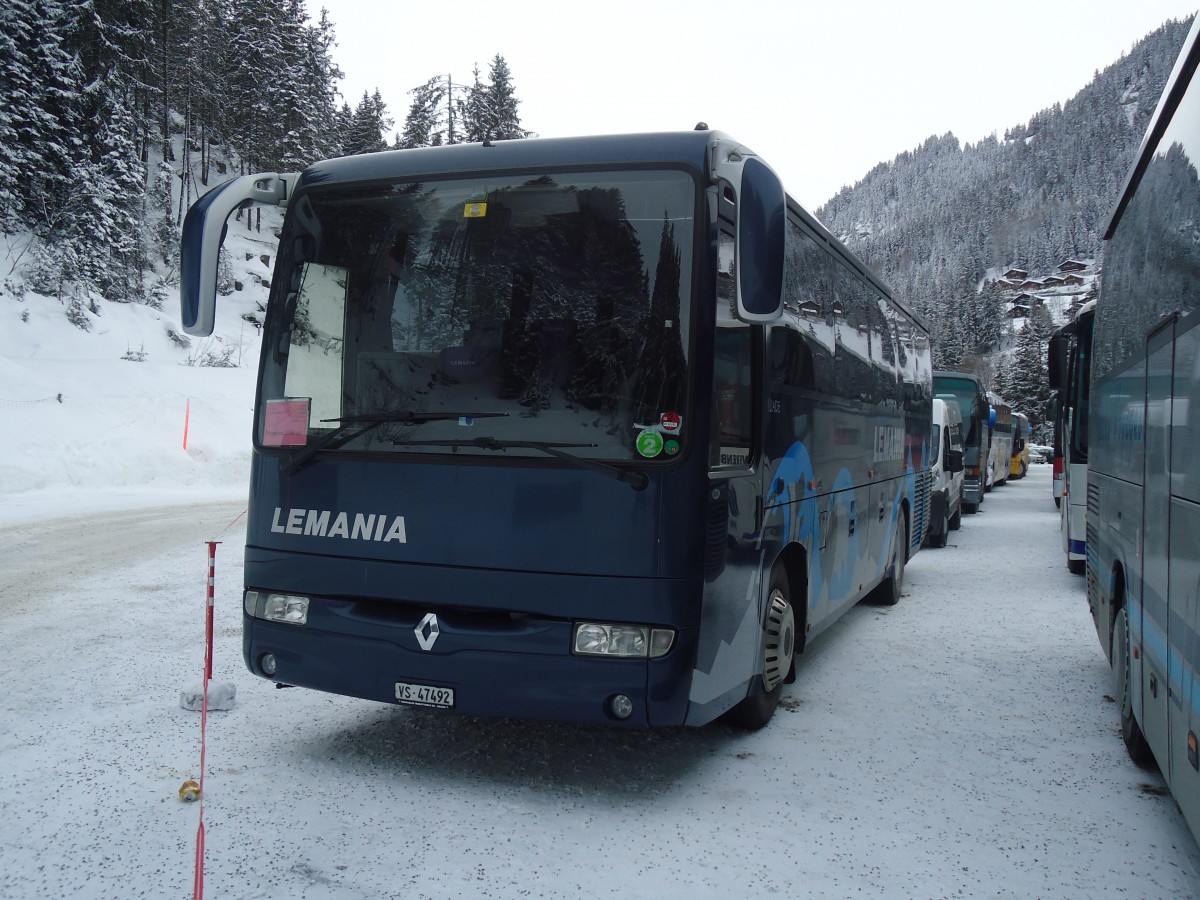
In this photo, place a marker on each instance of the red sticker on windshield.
(671, 422)
(286, 423)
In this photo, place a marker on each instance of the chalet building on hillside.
(1070, 273)
(1023, 306)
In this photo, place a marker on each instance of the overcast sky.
(822, 91)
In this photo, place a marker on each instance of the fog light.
(621, 706)
(268, 663)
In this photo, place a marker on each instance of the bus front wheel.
(779, 647)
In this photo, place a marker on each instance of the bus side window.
(791, 360)
(733, 394)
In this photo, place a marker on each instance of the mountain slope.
(934, 221)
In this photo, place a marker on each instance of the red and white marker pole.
(208, 621)
(198, 892)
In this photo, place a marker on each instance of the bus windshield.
(483, 315)
(1080, 388)
(966, 393)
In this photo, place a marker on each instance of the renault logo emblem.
(427, 632)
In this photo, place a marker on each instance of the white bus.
(1000, 456)
(1070, 362)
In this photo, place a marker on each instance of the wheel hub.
(780, 642)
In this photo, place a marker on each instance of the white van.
(946, 455)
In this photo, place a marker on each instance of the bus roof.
(965, 376)
(666, 148)
(1172, 95)
(650, 149)
(1073, 326)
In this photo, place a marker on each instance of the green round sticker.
(649, 443)
(671, 447)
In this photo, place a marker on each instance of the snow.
(87, 429)
(960, 744)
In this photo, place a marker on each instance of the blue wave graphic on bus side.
(796, 469)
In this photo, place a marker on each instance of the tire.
(1077, 566)
(970, 508)
(939, 541)
(956, 519)
(888, 592)
(1131, 732)
(778, 651)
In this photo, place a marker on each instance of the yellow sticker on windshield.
(475, 210)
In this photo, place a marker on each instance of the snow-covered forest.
(117, 114)
(942, 223)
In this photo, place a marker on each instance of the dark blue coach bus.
(598, 430)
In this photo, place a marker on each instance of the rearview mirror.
(752, 223)
(761, 222)
(200, 242)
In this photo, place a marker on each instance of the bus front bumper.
(518, 669)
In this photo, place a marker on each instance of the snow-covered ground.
(96, 420)
(959, 744)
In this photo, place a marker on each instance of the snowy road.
(958, 744)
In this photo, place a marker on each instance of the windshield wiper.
(344, 434)
(636, 480)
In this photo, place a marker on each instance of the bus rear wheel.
(888, 592)
(1131, 732)
(779, 647)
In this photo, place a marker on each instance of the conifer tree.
(1026, 385)
(422, 126)
(490, 111)
(37, 119)
(443, 112)
(368, 126)
(475, 117)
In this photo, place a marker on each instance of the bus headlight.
(629, 641)
(290, 609)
